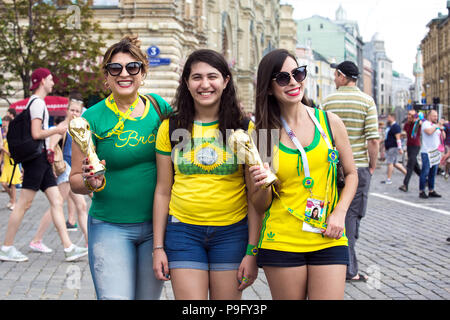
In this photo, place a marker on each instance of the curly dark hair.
(230, 114)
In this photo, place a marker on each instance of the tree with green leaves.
(60, 35)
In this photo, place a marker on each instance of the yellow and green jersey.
(209, 186)
(282, 230)
(130, 163)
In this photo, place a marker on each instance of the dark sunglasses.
(283, 78)
(115, 69)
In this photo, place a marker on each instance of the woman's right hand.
(95, 181)
(161, 265)
(259, 174)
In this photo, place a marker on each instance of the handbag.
(59, 165)
(340, 176)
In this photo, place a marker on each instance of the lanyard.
(110, 103)
(308, 182)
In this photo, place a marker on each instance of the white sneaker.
(40, 247)
(75, 253)
(12, 255)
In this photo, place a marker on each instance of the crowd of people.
(175, 203)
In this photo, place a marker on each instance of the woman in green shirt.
(124, 127)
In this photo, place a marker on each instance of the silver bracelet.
(158, 247)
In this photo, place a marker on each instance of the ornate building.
(243, 30)
(436, 61)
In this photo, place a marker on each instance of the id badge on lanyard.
(314, 215)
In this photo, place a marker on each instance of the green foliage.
(57, 35)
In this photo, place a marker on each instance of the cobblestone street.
(402, 248)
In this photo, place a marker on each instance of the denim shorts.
(64, 177)
(214, 248)
(328, 256)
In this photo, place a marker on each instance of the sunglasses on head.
(283, 78)
(115, 69)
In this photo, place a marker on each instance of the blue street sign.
(153, 51)
(424, 100)
(155, 62)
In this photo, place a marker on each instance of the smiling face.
(294, 91)
(206, 84)
(124, 84)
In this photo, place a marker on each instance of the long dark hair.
(230, 115)
(267, 110)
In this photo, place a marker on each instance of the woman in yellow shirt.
(302, 256)
(204, 228)
(8, 168)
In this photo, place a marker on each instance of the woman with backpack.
(205, 229)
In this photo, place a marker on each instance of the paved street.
(402, 247)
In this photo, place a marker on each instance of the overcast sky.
(401, 23)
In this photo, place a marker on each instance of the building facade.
(375, 52)
(418, 92)
(242, 30)
(336, 40)
(435, 48)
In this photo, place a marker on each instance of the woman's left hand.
(248, 272)
(335, 224)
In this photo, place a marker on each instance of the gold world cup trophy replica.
(81, 134)
(245, 149)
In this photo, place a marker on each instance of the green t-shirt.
(130, 163)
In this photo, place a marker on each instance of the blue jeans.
(121, 261)
(427, 172)
(213, 248)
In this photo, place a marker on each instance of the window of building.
(382, 87)
(317, 70)
(382, 100)
(321, 26)
(309, 27)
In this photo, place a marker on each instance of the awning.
(56, 105)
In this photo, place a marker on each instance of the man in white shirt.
(38, 175)
(430, 154)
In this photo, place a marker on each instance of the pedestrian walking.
(393, 146)
(38, 175)
(359, 114)
(124, 128)
(430, 154)
(413, 137)
(299, 260)
(206, 232)
(446, 158)
(74, 109)
(9, 177)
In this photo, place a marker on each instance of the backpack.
(22, 146)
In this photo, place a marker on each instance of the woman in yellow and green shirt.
(204, 227)
(302, 257)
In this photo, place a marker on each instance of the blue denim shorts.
(214, 248)
(328, 256)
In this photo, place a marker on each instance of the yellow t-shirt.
(209, 186)
(8, 167)
(281, 230)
